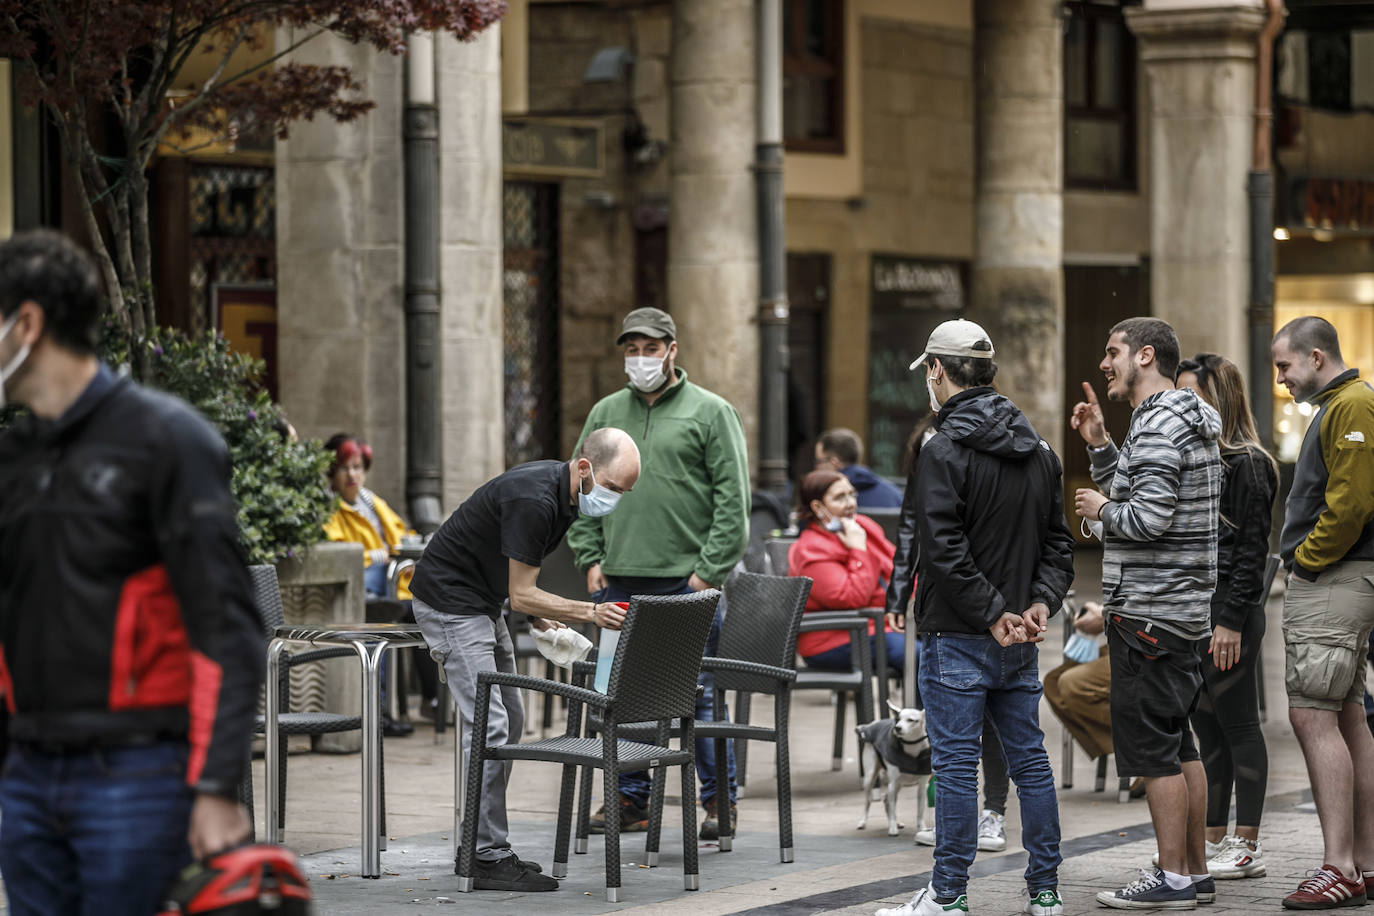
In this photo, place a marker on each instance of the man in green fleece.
(1327, 544)
(684, 526)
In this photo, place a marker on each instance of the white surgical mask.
(646, 372)
(930, 389)
(13, 365)
(600, 501)
(1090, 528)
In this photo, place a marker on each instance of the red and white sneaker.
(1236, 859)
(1326, 889)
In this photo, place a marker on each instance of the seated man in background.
(842, 450)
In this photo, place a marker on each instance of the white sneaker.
(926, 836)
(1045, 903)
(992, 832)
(1210, 849)
(1235, 859)
(925, 904)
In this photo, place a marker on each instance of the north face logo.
(1355, 436)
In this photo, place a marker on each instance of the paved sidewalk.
(838, 869)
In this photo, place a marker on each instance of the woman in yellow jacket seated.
(363, 517)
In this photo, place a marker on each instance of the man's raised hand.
(1087, 418)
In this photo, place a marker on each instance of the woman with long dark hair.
(1227, 717)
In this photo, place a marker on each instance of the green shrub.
(279, 485)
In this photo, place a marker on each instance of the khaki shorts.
(1326, 626)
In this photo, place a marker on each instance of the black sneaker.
(634, 818)
(710, 827)
(531, 866)
(509, 874)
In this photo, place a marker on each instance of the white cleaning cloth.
(562, 645)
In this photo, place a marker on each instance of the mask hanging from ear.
(7, 372)
(930, 389)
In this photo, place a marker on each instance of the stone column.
(470, 245)
(1018, 277)
(713, 262)
(1199, 67)
(339, 266)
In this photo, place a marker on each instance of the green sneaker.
(1045, 903)
(925, 903)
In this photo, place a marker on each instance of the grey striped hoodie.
(1160, 528)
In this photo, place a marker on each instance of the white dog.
(897, 750)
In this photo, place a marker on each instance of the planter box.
(323, 586)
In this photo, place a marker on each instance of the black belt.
(98, 742)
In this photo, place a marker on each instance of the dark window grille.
(1099, 98)
(813, 75)
(531, 327)
(233, 213)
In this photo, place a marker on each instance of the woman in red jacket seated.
(849, 562)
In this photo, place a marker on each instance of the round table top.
(351, 632)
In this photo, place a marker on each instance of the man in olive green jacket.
(1328, 608)
(685, 524)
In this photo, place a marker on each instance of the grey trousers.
(464, 645)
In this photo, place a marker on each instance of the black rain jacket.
(1247, 513)
(989, 535)
(126, 609)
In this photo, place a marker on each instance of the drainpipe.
(420, 140)
(773, 307)
(1260, 186)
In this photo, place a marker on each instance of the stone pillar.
(713, 262)
(470, 247)
(1199, 67)
(1018, 277)
(340, 266)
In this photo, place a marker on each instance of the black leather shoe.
(509, 874)
(396, 728)
(532, 866)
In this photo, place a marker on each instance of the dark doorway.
(808, 290)
(1095, 299)
(530, 220)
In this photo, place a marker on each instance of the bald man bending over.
(490, 549)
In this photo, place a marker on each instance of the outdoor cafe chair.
(857, 681)
(757, 654)
(653, 678)
(267, 597)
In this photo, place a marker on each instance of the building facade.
(1045, 167)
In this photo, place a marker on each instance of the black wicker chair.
(856, 682)
(653, 679)
(267, 596)
(758, 652)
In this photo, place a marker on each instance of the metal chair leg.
(837, 757)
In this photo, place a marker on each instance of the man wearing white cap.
(994, 557)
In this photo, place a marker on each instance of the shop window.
(1099, 98)
(1327, 68)
(813, 75)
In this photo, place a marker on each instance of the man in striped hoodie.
(1159, 569)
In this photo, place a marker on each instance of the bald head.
(612, 456)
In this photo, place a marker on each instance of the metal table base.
(370, 641)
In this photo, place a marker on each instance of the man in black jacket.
(994, 558)
(130, 651)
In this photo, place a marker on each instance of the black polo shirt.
(521, 515)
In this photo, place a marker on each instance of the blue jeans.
(839, 658)
(638, 785)
(93, 832)
(962, 677)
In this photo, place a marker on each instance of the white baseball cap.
(957, 338)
